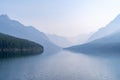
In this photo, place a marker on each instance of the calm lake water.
(63, 65)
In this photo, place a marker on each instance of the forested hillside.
(11, 46)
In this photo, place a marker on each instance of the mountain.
(12, 46)
(59, 40)
(103, 43)
(112, 27)
(80, 39)
(68, 41)
(16, 29)
(109, 44)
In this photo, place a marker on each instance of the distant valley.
(106, 39)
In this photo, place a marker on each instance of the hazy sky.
(62, 17)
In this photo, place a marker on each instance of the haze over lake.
(60, 40)
(63, 65)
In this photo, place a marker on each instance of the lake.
(63, 65)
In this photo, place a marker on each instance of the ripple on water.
(60, 66)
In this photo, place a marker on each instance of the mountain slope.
(109, 44)
(11, 46)
(17, 29)
(112, 27)
(108, 41)
(80, 39)
(68, 41)
(60, 41)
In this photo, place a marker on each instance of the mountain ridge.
(110, 28)
(108, 44)
(16, 29)
(12, 46)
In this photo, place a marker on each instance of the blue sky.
(62, 17)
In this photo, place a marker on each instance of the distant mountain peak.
(112, 27)
(17, 29)
(4, 16)
(117, 18)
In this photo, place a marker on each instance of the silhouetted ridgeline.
(11, 46)
(105, 40)
(16, 29)
(108, 44)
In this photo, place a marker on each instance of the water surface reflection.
(60, 66)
